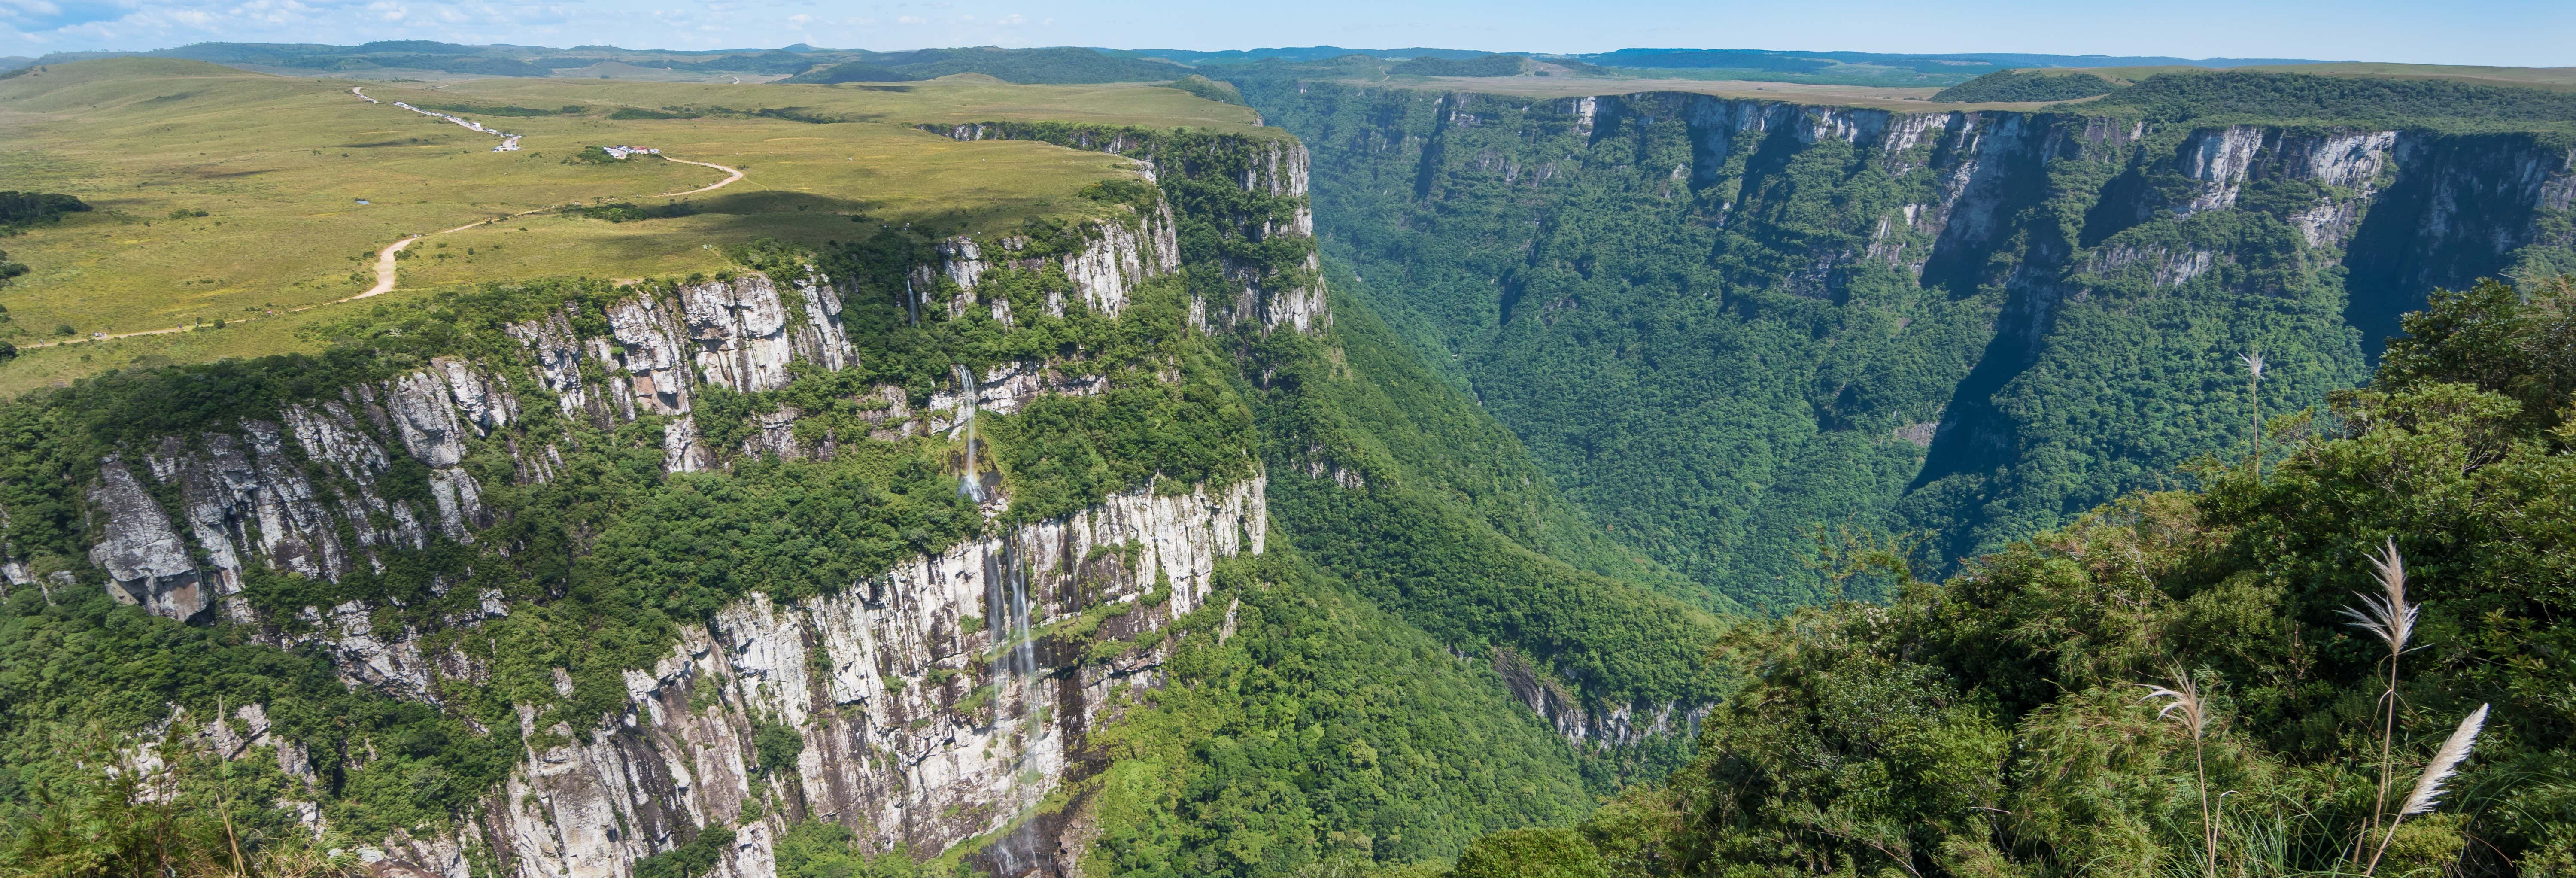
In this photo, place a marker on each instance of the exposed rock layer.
(936, 701)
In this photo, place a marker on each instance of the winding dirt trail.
(386, 274)
(728, 181)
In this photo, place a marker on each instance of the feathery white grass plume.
(2186, 698)
(2446, 761)
(2387, 615)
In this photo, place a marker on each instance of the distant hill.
(497, 60)
(1488, 65)
(1064, 64)
(854, 71)
(1874, 68)
(1027, 66)
(803, 63)
(1306, 53)
(1809, 62)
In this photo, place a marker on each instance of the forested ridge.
(1724, 326)
(2345, 660)
(1655, 486)
(1367, 703)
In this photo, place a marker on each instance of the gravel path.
(737, 175)
(385, 258)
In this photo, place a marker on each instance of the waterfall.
(1008, 615)
(968, 483)
(1015, 669)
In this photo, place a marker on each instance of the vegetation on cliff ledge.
(2001, 722)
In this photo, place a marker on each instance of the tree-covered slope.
(1104, 538)
(1724, 325)
(2187, 682)
(2005, 86)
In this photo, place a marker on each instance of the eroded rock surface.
(933, 707)
(940, 700)
(144, 560)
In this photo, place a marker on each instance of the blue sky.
(2508, 32)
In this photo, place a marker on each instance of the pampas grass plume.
(2446, 762)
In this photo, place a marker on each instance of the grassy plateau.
(233, 196)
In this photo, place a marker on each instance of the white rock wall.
(2222, 158)
(918, 730)
(1278, 167)
(881, 682)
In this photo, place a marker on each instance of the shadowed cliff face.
(1721, 324)
(2460, 208)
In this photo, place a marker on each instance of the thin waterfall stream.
(1009, 616)
(1015, 675)
(969, 483)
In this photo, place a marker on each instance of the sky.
(2538, 33)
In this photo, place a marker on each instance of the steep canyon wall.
(1720, 323)
(930, 700)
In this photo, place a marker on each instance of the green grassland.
(2557, 78)
(1859, 93)
(279, 165)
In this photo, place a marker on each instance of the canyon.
(1718, 322)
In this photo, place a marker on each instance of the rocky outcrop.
(650, 373)
(425, 406)
(1276, 167)
(819, 337)
(936, 702)
(1118, 258)
(145, 563)
(1279, 169)
(1004, 389)
(1114, 258)
(246, 496)
(2220, 157)
(558, 351)
(739, 329)
(1618, 726)
(2162, 268)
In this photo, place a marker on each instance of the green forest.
(2025, 85)
(1730, 336)
(2343, 661)
(2161, 485)
(1358, 716)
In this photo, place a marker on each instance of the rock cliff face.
(1775, 298)
(1273, 167)
(1621, 725)
(141, 553)
(1113, 259)
(936, 702)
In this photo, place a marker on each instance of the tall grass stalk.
(2253, 360)
(2186, 697)
(2390, 618)
(2428, 786)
